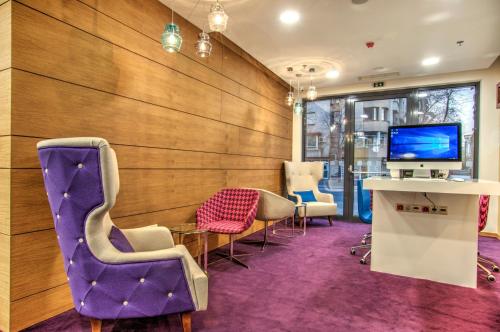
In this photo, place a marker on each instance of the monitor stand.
(422, 173)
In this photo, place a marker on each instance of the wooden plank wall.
(182, 127)
(5, 139)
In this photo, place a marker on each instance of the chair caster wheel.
(495, 268)
(353, 251)
(363, 242)
(362, 261)
(491, 278)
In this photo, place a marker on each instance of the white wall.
(489, 119)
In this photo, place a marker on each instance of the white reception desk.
(430, 246)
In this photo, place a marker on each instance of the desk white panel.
(441, 248)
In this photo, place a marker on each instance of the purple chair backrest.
(73, 178)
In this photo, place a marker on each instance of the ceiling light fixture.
(217, 18)
(290, 16)
(203, 45)
(422, 94)
(312, 93)
(289, 97)
(430, 61)
(297, 106)
(171, 39)
(333, 73)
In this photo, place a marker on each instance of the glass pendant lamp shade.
(203, 45)
(312, 93)
(289, 98)
(171, 39)
(217, 18)
(297, 107)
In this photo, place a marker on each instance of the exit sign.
(378, 84)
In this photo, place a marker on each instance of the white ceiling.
(332, 34)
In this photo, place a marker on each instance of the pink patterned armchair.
(230, 211)
(484, 204)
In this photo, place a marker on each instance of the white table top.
(468, 187)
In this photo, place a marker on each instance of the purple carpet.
(314, 284)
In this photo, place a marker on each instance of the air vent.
(378, 77)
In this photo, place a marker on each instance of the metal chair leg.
(231, 256)
(489, 275)
(494, 266)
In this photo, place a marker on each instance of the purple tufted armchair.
(149, 276)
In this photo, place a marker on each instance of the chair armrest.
(195, 277)
(323, 197)
(296, 198)
(149, 238)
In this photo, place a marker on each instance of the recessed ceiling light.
(430, 61)
(334, 73)
(290, 16)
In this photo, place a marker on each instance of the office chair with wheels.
(484, 202)
(365, 215)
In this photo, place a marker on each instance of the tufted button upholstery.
(99, 289)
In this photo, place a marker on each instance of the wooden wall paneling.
(5, 34)
(141, 191)
(37, 263)
(41, 306)
(67, 110)
(5, 149)
(264, 102)
(252, 143)
(5, 101)
(88, 19)
(26, 156)
(244, 114)
(4, 282)
(265, 179)
(149, 17)
(52, 48)
(127, 13)
(5, 201)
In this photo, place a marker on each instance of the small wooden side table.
(190, 229)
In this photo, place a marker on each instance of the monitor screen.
(436, 142)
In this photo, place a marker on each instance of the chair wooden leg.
(330, 220)
(186, 321)
(95, 325)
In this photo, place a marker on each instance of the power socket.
(417, 208)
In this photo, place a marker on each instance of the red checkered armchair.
(484, 203)
(230, 211)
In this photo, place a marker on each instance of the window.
(362, 122)
(312, 142)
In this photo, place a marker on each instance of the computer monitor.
(428, 146)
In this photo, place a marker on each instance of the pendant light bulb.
(171, 39)
(312, 94)
(203, 45)
(217, 18)
(297, 106)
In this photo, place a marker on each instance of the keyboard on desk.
(424, 179)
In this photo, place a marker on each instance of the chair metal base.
(265, 242)
(231, 256)
(364, 245)
(494, 267)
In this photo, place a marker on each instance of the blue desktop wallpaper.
(434, 142)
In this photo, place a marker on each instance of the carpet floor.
(313, 284)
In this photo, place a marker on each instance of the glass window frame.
(412, 104)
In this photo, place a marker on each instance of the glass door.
(372, 119)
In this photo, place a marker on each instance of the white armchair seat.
(305, 176)
(319, 209)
